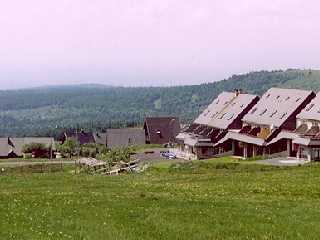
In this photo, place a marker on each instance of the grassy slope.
(199, 201)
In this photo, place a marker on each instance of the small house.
(12, 147)
(124, 137)
(160, 130)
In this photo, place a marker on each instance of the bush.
(35, 149)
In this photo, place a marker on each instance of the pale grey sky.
(153, 42)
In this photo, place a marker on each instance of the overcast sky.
(153, 42)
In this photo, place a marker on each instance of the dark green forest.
(47, 111)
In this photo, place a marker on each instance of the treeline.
(47, 111)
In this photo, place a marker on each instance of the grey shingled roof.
(117, 138)
(312, 110)
(224, 109)
(100, 138)
(275, 106)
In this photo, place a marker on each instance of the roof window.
(254, 110)
(298, 99)
(263, 112)
(287, 98)
(242, 105)
(222, 115)
(278, 96)
(268, 95)
(274, 113)
(229, 118)
(283, 115)
(309, 107)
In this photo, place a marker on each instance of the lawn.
(215, 199)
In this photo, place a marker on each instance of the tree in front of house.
(92, 150)
(69, 148)
(36, 150)
(115, 156)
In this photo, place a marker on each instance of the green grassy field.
(216, 199)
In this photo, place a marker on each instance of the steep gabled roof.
(225, 109)
(276, 106)
(312, 110)
(161, 130)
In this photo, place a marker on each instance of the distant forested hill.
(47, 110)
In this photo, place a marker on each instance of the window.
(206, 113)
(254, 110)
(298, 99)
(287, 98)
(222, 115)
(278, 96)
(229, 118)
(242, 105)
(274, 113)
(159, 134)
(309, 107)
(263, 112)
(217, 102)
(283, 115)
(268, 95)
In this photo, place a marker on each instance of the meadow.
(215, 199)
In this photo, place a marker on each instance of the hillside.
(47, 110)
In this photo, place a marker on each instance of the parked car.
(168, 155)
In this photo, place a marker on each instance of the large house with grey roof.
(268, 127)
(224, 113)
(305, 139)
